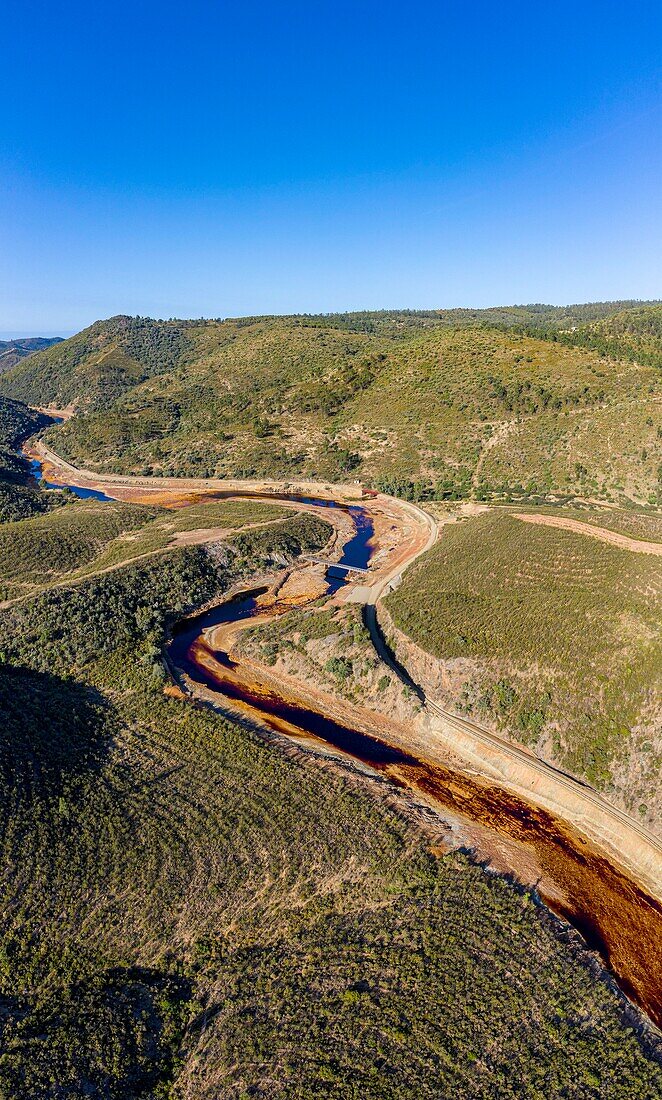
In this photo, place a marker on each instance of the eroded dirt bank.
(614, 538)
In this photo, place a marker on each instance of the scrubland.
(525, 404)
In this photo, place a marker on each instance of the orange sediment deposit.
(49, 472)
(617, 918)
(299, 587)
(164, 499)
(174, 691)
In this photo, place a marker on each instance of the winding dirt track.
(614, 538)
(624, 840)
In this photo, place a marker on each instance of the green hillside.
(634, 334)
(181, 901)
(524, 403)
(44, 548)
(97, 365)
(91, 536)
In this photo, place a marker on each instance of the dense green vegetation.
(97, 365)
(535, 319)
(555, 637)
(523, 403)
(19, 497)
(188, 911)
(17, 423)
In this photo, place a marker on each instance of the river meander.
(615, 916)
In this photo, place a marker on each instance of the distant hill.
(634, 334)
(516, 403)
(13, 351)
(98, 364)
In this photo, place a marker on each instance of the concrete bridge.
(334, 564)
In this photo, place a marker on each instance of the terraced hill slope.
(552, 635)
(522, 403)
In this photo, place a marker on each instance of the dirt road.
(614, 538)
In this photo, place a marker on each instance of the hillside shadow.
(52, 731)
(114, 1036)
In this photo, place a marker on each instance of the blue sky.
(226, 158)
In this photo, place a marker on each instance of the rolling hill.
(526, 403)
(13, 351)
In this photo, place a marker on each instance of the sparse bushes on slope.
(47, 547)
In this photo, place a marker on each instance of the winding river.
(615, 916)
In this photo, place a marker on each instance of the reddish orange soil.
(617, 918)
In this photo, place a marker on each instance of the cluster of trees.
(19, 496)
(157, 345)
(113, 1036)
(405, 488)
(527, 397)
(535, 319)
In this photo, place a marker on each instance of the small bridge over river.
(334, 564)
